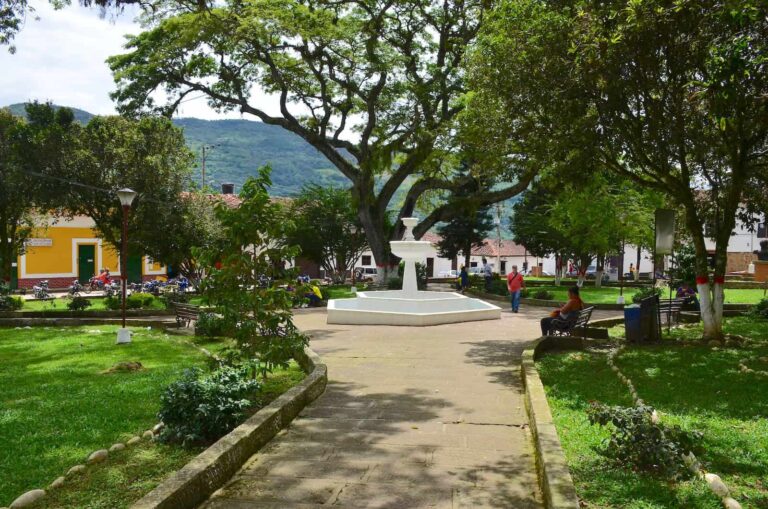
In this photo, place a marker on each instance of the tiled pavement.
(413, 417)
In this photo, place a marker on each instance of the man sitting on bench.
(569, 311)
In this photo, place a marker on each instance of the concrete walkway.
(412, 418)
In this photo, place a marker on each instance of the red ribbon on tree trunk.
(719, 280)
(702, 280)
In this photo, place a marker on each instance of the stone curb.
(130, 313)
(554, 477)
(56, 322)
(206, 473)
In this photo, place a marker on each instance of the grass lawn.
(692, 386)
(608, 295)
(56, 407)
(339, 292)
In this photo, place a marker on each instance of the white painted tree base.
(123, 336)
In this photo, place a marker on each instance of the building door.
(134, 269)
(14, 276)
(503, 267)
(430, 267)
(86, 262)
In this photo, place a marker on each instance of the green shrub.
(78, 303)
(169, 299)
(525, 293)
(543, 295)
(638, 443)
(760, 310)
(139, 300)
(324, 292)
(112, 302)
(202, 408)
(396, 283)
(645, 292)
(7, 302)
(210, 326)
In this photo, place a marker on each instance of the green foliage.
(139, 300)
(210, 325)
(169, 299)
(134, 301)
(112, 302)
(200, 408)
(645, 292)
(326, 228)
(7, 301)
(684, 263)
(260, 315)
(471, 222)
(78, 303)
(760, 310)
(148, 155)
(44, 143)
(395, 283)
(636, 442)
(543, 295)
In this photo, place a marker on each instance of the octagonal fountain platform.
(409, 306)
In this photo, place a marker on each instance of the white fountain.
(409, 306)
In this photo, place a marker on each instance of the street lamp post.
(126, 199)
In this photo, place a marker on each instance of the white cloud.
(62, 58)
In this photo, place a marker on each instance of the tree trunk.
(710, 303)
(637, 265)
(599, 271)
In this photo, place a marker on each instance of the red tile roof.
(491, 247)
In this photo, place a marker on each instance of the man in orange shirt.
(515, 283)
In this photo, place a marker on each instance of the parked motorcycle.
(75, 288)
(41, 290)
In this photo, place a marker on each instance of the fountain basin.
(396, 307)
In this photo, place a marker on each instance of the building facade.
(62, 250)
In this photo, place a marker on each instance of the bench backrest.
(584, 316)
(182, 308)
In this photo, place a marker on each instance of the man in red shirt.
(514, 284)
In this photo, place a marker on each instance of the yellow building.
(63, 250)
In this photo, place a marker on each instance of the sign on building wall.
(39, 242)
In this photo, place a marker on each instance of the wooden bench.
(566, 327)
(186, 313)
(671, 309)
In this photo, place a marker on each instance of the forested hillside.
(237, 148)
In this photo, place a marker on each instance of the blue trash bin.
(632, 323)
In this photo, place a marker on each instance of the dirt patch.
(124, 367)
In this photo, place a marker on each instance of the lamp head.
(126, 196)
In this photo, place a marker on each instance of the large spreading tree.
(671, 95)
(374, 85)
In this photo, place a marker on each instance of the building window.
(366, 259)
(762, 230)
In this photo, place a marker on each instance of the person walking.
(463, 279)
(515, 284)
(488, 274)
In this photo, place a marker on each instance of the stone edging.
(554, 477)
(61, 322)
(207, 472)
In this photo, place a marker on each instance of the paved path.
(413, 417)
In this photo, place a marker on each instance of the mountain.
(235, 149)
(80, 115)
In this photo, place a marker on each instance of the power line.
(86, 186)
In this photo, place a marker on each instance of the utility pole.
(498, 236)
(204, 148)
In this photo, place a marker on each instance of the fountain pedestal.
(409, 306)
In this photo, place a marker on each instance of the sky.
(61, 58)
